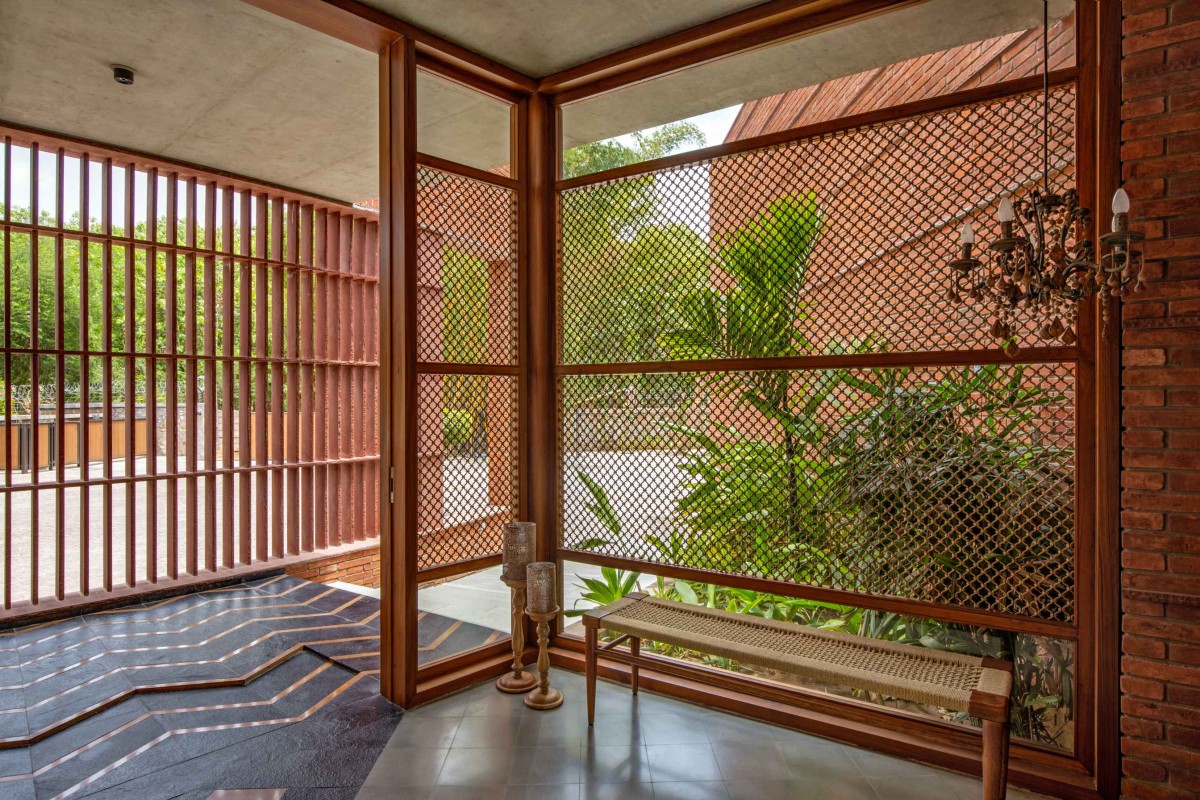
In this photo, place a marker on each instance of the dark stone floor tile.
(178, 673)
(38, 639)
(89, 730)
(18, 790)
(14, 725)
(89, 763)
(322, 793)
(76, 699)
(14, 762)
(12, 699)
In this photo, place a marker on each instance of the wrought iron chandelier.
(1043, 261)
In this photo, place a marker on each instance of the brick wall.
(359, 567)
(1160, 509)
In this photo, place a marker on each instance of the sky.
(714, 124)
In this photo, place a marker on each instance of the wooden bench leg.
(635, 649)
(995, 759)
(590, 670)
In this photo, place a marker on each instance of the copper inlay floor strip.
(436, 643)
(162, 712)
(127, 610)
(217, 683)
(208, 728)
(226, 657)
(194, 625)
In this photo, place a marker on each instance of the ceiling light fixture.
(122, 74)
(1043, 261)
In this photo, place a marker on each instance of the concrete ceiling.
(223, 84)
(846, 50)
(539, 37)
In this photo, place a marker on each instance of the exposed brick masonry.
(1160, 508)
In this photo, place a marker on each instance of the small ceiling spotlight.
(122, 74)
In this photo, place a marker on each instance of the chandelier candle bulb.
(1120, 202)
(540, 580)
(968, 234)
(1005, 213)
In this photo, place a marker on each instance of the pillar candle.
(519, 539)
(540, 592)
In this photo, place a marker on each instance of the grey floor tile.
(673, 729)
(406, 767)
(616, 791)
(545, 765)
(628, 763)
(691, 790)
(425, 732)
(476, 767)
(748, 761)
(728, 728)
(682, 762)
(551, 729)
(487, 732)
(879, 765)
(568, 791)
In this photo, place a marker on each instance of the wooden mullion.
(34, 380)
(292, 324)
(277, 351)
(130, 426)
(333, 335)
(245, 312)
(171, 378)
(398, 390)
(320, 375)
(151, 401)
(106, 376)
(229, 328)
(191, 376)
(262, 311)
(307, 382)
(83, 438)
(60, 389)
(8, 428)
(211, 318)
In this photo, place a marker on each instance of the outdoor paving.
(481, 598)
(484, 745)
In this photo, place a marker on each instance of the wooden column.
(539, 166)
(397, 319)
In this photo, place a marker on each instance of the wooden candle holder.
(544, 697)
(518, 681)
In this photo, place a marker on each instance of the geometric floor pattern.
(266, 684)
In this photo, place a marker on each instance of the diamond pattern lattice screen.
(467, 418)
(876, 209)
(950, 485)
(946, 484)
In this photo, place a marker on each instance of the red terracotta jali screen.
(190, 372)
(762, 383)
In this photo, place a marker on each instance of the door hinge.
(392, 485)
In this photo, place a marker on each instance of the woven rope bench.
(978, 686)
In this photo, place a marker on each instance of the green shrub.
(458, 427)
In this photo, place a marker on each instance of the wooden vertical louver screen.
(190, 373)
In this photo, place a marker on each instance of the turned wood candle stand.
(518, 681)
(544, 697)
